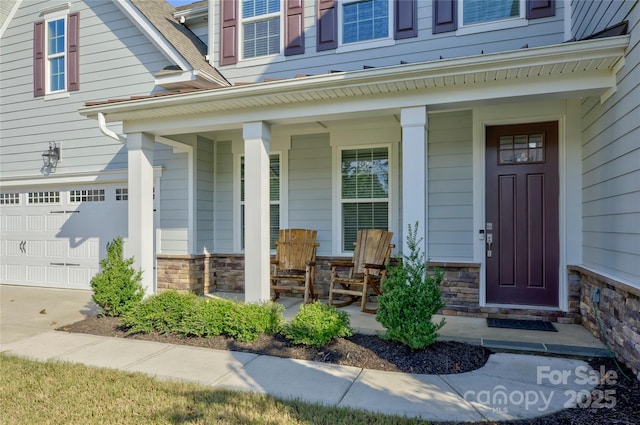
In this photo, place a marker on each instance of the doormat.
(529, 325)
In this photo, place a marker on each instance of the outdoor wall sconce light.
(51, 156)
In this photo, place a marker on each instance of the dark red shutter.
(406, 15)
(327, 25)
(38, 59)
(540, 8)
(445, 16)
(294, 27)
(228, 32)
(73, 51)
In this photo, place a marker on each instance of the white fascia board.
(176, 77)
(152, 33)
(540, 56)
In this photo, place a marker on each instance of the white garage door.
(56, 237)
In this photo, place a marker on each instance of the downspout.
(102, 123)
(179, 147)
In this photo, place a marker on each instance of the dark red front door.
(521, 233)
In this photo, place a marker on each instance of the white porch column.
(414, 173)
(257, 137)
(140, 148)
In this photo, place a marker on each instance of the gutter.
(102, 124)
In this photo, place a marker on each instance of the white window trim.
(264, 59)
(237, 196)
(392, 200)
(50, 94)
(366, 44)
(515, 22)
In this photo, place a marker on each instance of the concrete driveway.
(27, 311)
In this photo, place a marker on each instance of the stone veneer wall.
(618, 314)
(460, 288)
(185, 273)
(461, 293)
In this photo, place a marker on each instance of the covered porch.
(240, 162)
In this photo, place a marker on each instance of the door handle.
(489, 244)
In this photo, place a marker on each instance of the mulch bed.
(372, 352)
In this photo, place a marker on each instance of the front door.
(521, 229)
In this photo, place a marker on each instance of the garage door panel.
(15, 273)
(35, 274)
(56, 275)
(81, 250)
(35, 223)
(12, 223)
(55, 248)
(78, 276)
(14, 248)
(47, 240)
(55, 221)
(34, 248)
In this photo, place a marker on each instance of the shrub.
(117, 288)
(163, 313)
(410, 297)
(207, 318)
(246, 321)
(316, 324)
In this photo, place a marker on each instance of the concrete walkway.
(510, 386)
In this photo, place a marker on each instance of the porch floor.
(571, 340)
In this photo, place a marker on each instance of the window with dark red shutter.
(445, 13)
(61, 62)
(294, 27)
(540, 8)
(445, 16)
(406, 19)
(228, 32)
(327, 25)
(38, 59)
(73, 51)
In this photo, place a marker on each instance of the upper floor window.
(364, 20)
(471, 16)
(482, 11)
(354, 24)
(56, 53)
(260, 28)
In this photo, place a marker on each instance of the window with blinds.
(365, 20)
(260, 28)
(274, 199)
(481, 11)
(364, 192)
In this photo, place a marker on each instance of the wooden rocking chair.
(367, 270)
(293, 268)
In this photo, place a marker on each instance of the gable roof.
(159, 14)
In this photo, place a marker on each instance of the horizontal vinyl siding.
(611, 154)
(174, 221)
(223, 196)
(425, 47)
(116, 60)
(204, 195)
(310, 201)
(450, 177)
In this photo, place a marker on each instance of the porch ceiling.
(570, 67)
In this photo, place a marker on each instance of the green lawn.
(61, 393)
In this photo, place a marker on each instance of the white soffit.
(558, 63)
